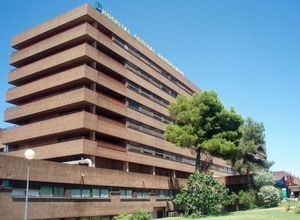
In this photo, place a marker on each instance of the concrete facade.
(86, 89)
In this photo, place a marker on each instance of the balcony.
(51, 127)
(49, 64)
(48, 105)
(50, 84)
(49, 45)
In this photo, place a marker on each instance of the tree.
(203, 124)
(250, 154)
(263, 178)
(204, 195)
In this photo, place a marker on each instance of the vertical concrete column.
(126, 166)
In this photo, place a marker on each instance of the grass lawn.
(256, 214)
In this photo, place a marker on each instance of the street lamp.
(29, 155)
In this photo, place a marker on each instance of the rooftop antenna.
(98, 6)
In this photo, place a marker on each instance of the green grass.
(256, 214)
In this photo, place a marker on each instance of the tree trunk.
(198, 160)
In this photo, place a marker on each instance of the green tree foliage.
(204, 195)
(263, 178)
(269, 196)
(202, 123)
(251, 143)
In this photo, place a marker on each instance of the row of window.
(59, 192)
(221, 169)
(150, 79)
(141, 148)
(89, 193)
(145, 128)
(42, 192)
(150, 63)
(147, 111)
(144, 194)
(129, 194)
(133, 86)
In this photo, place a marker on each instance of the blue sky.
(248, 51)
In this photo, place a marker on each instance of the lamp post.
(29, 155)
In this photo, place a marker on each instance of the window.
(5, 183)
(147, 93)
(133, 104)
(18, 192)
(150, 79)
(104, 193)
(145, 128)
(142, 195)
(150, 63)
(164, 194)
(33, 193)
(141, 148)
(46, 191)
(126, 193)
(147, 111)
(76, 193)
(95, 193)
(85, 193)
(58, 191)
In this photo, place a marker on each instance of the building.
(88, 93)
(289, 184)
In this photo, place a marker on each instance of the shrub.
(123, 217)
(138, 215)
(247, 199)
(204, 195)
(269, 196)
(141, 215)
(263, 178)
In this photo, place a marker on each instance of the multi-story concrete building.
(88, 93)
(1, 146)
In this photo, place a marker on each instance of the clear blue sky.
(248, 51)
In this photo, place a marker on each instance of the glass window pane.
(46, 191)
(139, 195)
(145, 195)
(128, 193)
(104, 193)
(33, 193)
(5, 183)
(59, 191)
(86, 193)
(95, 193)
(18, 192)
(123, 193)
(76, 193)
